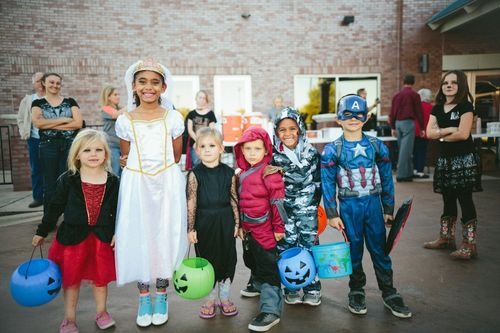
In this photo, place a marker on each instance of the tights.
(160, 284)
(464, 197)
(224, 291)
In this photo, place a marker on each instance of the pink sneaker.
(104, 320)
(68, 326)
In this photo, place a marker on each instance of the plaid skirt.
(461, 172)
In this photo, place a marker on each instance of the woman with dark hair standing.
(458, 168)
(58, 120)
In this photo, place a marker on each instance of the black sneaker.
(357, 304)
(312, 298)
(263, 322)
(250, 291)
(397, 306)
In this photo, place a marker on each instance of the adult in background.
(198, 118)
(58, 120)
(371, 122)
(458, 167)
(406, 108)
(420, 145)
(275, 109)
(29, 133)
(110, 110)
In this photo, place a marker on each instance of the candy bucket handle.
(345, 237)
(343, 233)
(31, 258)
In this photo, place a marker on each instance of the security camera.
(246, 15)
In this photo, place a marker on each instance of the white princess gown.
(151, 236)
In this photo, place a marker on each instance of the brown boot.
(446, 238)
(468, 248)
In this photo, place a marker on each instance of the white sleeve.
(123, 128)
(175, 123)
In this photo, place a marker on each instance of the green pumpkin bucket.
(194, 279)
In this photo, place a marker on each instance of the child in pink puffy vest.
(261, 215)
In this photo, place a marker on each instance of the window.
(232, 94)
(307, 87)
(183, 91)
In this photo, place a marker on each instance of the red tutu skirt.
(92, 260)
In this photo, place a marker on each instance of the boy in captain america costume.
(360, 167)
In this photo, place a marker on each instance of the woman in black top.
(198, 118)
(458, 168)
(58, 119)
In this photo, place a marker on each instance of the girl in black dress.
(213, 218)
(458, 168)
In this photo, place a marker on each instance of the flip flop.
(228, 304)
(207, 311)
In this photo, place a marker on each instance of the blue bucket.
(296, 267)
(35, 282)
(333, 260)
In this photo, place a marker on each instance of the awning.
(461, 12)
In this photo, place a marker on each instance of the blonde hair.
(82, 140)
(104, 97)
(209, 132)
(204, 92)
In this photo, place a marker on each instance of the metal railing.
(5, 156)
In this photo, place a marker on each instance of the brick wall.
(93, 42)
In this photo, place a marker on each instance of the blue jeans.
(406, 138)
(36, 168)
(54, 157)
(115, 160)
(264, 268)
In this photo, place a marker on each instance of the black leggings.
(466, 204)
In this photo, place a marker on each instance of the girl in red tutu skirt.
(87, 194)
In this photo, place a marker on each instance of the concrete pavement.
(444, 295)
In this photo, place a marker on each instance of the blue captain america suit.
(361, 170)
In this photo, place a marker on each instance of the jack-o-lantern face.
(180, 284)
(296, 267)
(297, 275)
(53, 286)
(194, 278)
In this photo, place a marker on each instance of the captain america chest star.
(358, 170)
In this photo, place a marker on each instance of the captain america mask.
(352, 106)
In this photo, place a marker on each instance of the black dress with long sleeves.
(213, 213)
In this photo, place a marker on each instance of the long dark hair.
(463, 92)
(136, 98)
(46, 75)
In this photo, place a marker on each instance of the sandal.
(228, 305)
(207, 310)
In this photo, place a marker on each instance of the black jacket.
(69, 199)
